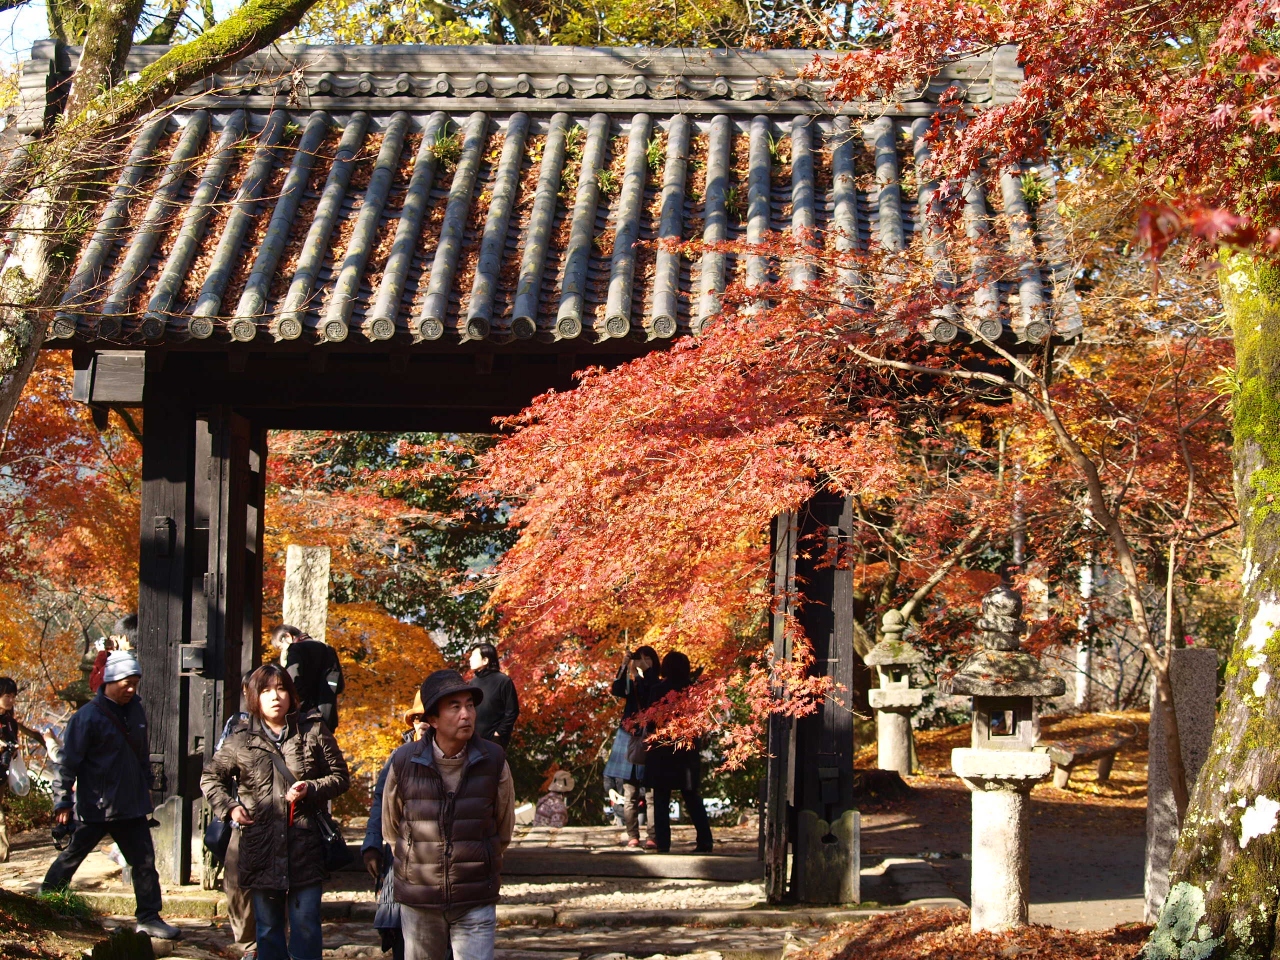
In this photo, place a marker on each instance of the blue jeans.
(429, 934)
(302, 905)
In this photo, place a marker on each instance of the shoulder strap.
(277, 758)
(133, 747)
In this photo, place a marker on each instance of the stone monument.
(1194, 675)
(306, 589)
(1002, 766)
(896, 700)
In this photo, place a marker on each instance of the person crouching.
(448, 809)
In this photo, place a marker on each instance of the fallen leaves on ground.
(1126, 787)
(945, 935)
(31, 929)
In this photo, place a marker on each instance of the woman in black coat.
(669, 767)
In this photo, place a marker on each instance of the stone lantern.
(895, 701)
(1002, 766)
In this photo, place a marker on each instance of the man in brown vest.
(448, 809)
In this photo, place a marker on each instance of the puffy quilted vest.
(446, 850)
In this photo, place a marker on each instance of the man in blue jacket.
(105, 758)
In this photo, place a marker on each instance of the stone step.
(210, 907)
(550, 861)
(892, 884)
(525, 862)
(354, 941)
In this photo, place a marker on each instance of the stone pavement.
(571, 917)
(206, 940)
(1086, 858)
(574, 892)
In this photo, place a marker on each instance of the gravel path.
(615, 893)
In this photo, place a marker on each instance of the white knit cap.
(121, 664)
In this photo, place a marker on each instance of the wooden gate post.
(780, 775)
(164, 618)
(227, 594)
(809, 795)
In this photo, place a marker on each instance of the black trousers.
(692, 802)
(134, 839)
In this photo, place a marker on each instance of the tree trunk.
(106, 47)
(68, 20)
(1224, 893)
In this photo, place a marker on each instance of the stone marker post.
(1002, 766)
(895, 700)
(1194, 675)
(306, 589)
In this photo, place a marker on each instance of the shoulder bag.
(637, 748)
(217, 838)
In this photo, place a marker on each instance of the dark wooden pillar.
(164, 617)
(780, 773)
(811, 759)
(229, 499)
(226, 580)
(255, 519)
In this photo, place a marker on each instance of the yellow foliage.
(384, 662)
(38, 652)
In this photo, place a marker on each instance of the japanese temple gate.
(418, 238)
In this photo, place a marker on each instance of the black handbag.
(336, 852)
(217, 838)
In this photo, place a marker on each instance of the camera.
(62, 834)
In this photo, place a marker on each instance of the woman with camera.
(634, 685)
(274, 777)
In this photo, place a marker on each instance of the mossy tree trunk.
(1225, 878)
(68, 20)
(63, 171)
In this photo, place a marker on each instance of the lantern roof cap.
(1000, 667)
(891, 651)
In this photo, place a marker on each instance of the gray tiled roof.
(419, 194)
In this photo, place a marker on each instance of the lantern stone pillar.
(1002, 766)
(895, 701)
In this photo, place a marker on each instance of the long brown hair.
(264, 678)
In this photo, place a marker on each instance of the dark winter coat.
(496, 715)
(447, 852)
(636, 694)
(111, 772)
(273, 854)
(317, 675)
(667, 767)
(387, 915)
